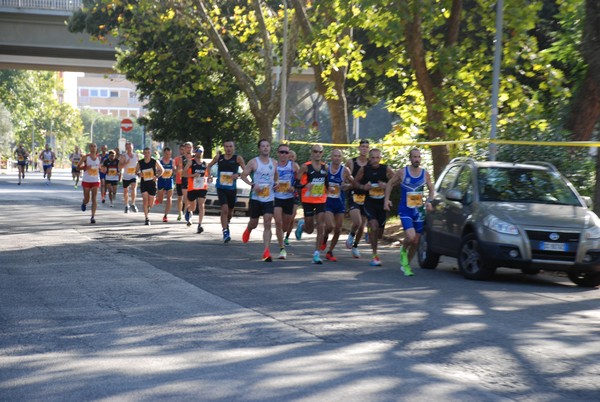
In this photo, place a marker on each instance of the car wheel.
(585, 279)
(530, 271)
(427, 258)
(469, 260)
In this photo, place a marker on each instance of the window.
(114, 94)
(448, 180)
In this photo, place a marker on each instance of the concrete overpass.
(34, 36)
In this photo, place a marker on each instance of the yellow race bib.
(334, 190)
(263, 191)
(93, 171)
(376, 192)
(414, 199)
(226, 178)
(284, 186)
(112, 172)
(167, 174)
(131, 170)
(148, 174)
(359, 199)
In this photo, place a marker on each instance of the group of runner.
(278, 186)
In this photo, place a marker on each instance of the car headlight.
(592, 233)
(498, 225)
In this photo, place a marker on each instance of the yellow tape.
(488, 141)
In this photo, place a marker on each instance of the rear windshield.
(524, 185)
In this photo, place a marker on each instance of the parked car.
(515, 215)
(243, 193)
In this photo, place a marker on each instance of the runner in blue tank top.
(165, 183)
(412, 206)
(340, 180)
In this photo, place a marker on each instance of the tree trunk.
(338, 110)
(585, 110)
(265, 125)
(596, 198)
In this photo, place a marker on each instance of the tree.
(332, 53)
(585, 110)
(189, 94)
(31, 98)
(7, 136)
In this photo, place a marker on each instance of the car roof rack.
(542, 163)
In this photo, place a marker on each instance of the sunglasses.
(317, 151)
(284, 152)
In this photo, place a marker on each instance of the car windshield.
(508, 184)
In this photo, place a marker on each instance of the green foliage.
(7, 136)
(30, 97)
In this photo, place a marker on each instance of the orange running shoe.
(246, 236)
(329, 256)
(267, 256)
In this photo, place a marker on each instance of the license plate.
(547, 246)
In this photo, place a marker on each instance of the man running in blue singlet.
(166, 182)
(412, 206)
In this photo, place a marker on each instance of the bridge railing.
(43, 4)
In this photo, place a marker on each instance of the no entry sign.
(126, 125)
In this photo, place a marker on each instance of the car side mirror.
(454, 195)
(588, 201)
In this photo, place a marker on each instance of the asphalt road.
(123, 311)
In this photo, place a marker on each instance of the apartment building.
(109, 95)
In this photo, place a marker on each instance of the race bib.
(167, 173)
(112, 172)
(284, 186)
(131, 171)
(376, 192)
(414, 199)
(92, 171)
(20, 158)
(199, 182)
(263, 191)
(226, 178)
(359, 199)
(317, 190)
(148, 174)
(46, 161)
(334, 190)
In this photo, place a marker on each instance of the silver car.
(515, 215)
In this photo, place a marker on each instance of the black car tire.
(585, 279)
(427, 258)
(470, 263)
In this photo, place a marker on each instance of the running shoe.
(179, 217)
(156, 202)
(317, 258)
(104, 201)
(134, 208)
(406, 270)
(267, 256)
(165, 219)
(349, 241)
(200, 229)
(19, 183)
(111, 204)
(147, 222)
(323, 245)
(126, 208)
(330, 257)
(375, 262)
(83, 207)
(404, 257)
(299, 229)
(92, 220)
(286, 241)
(75, 186)
(282, 254)
(226, 236)
(355, 252)
(246, 236)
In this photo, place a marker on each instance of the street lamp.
(92, 129)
